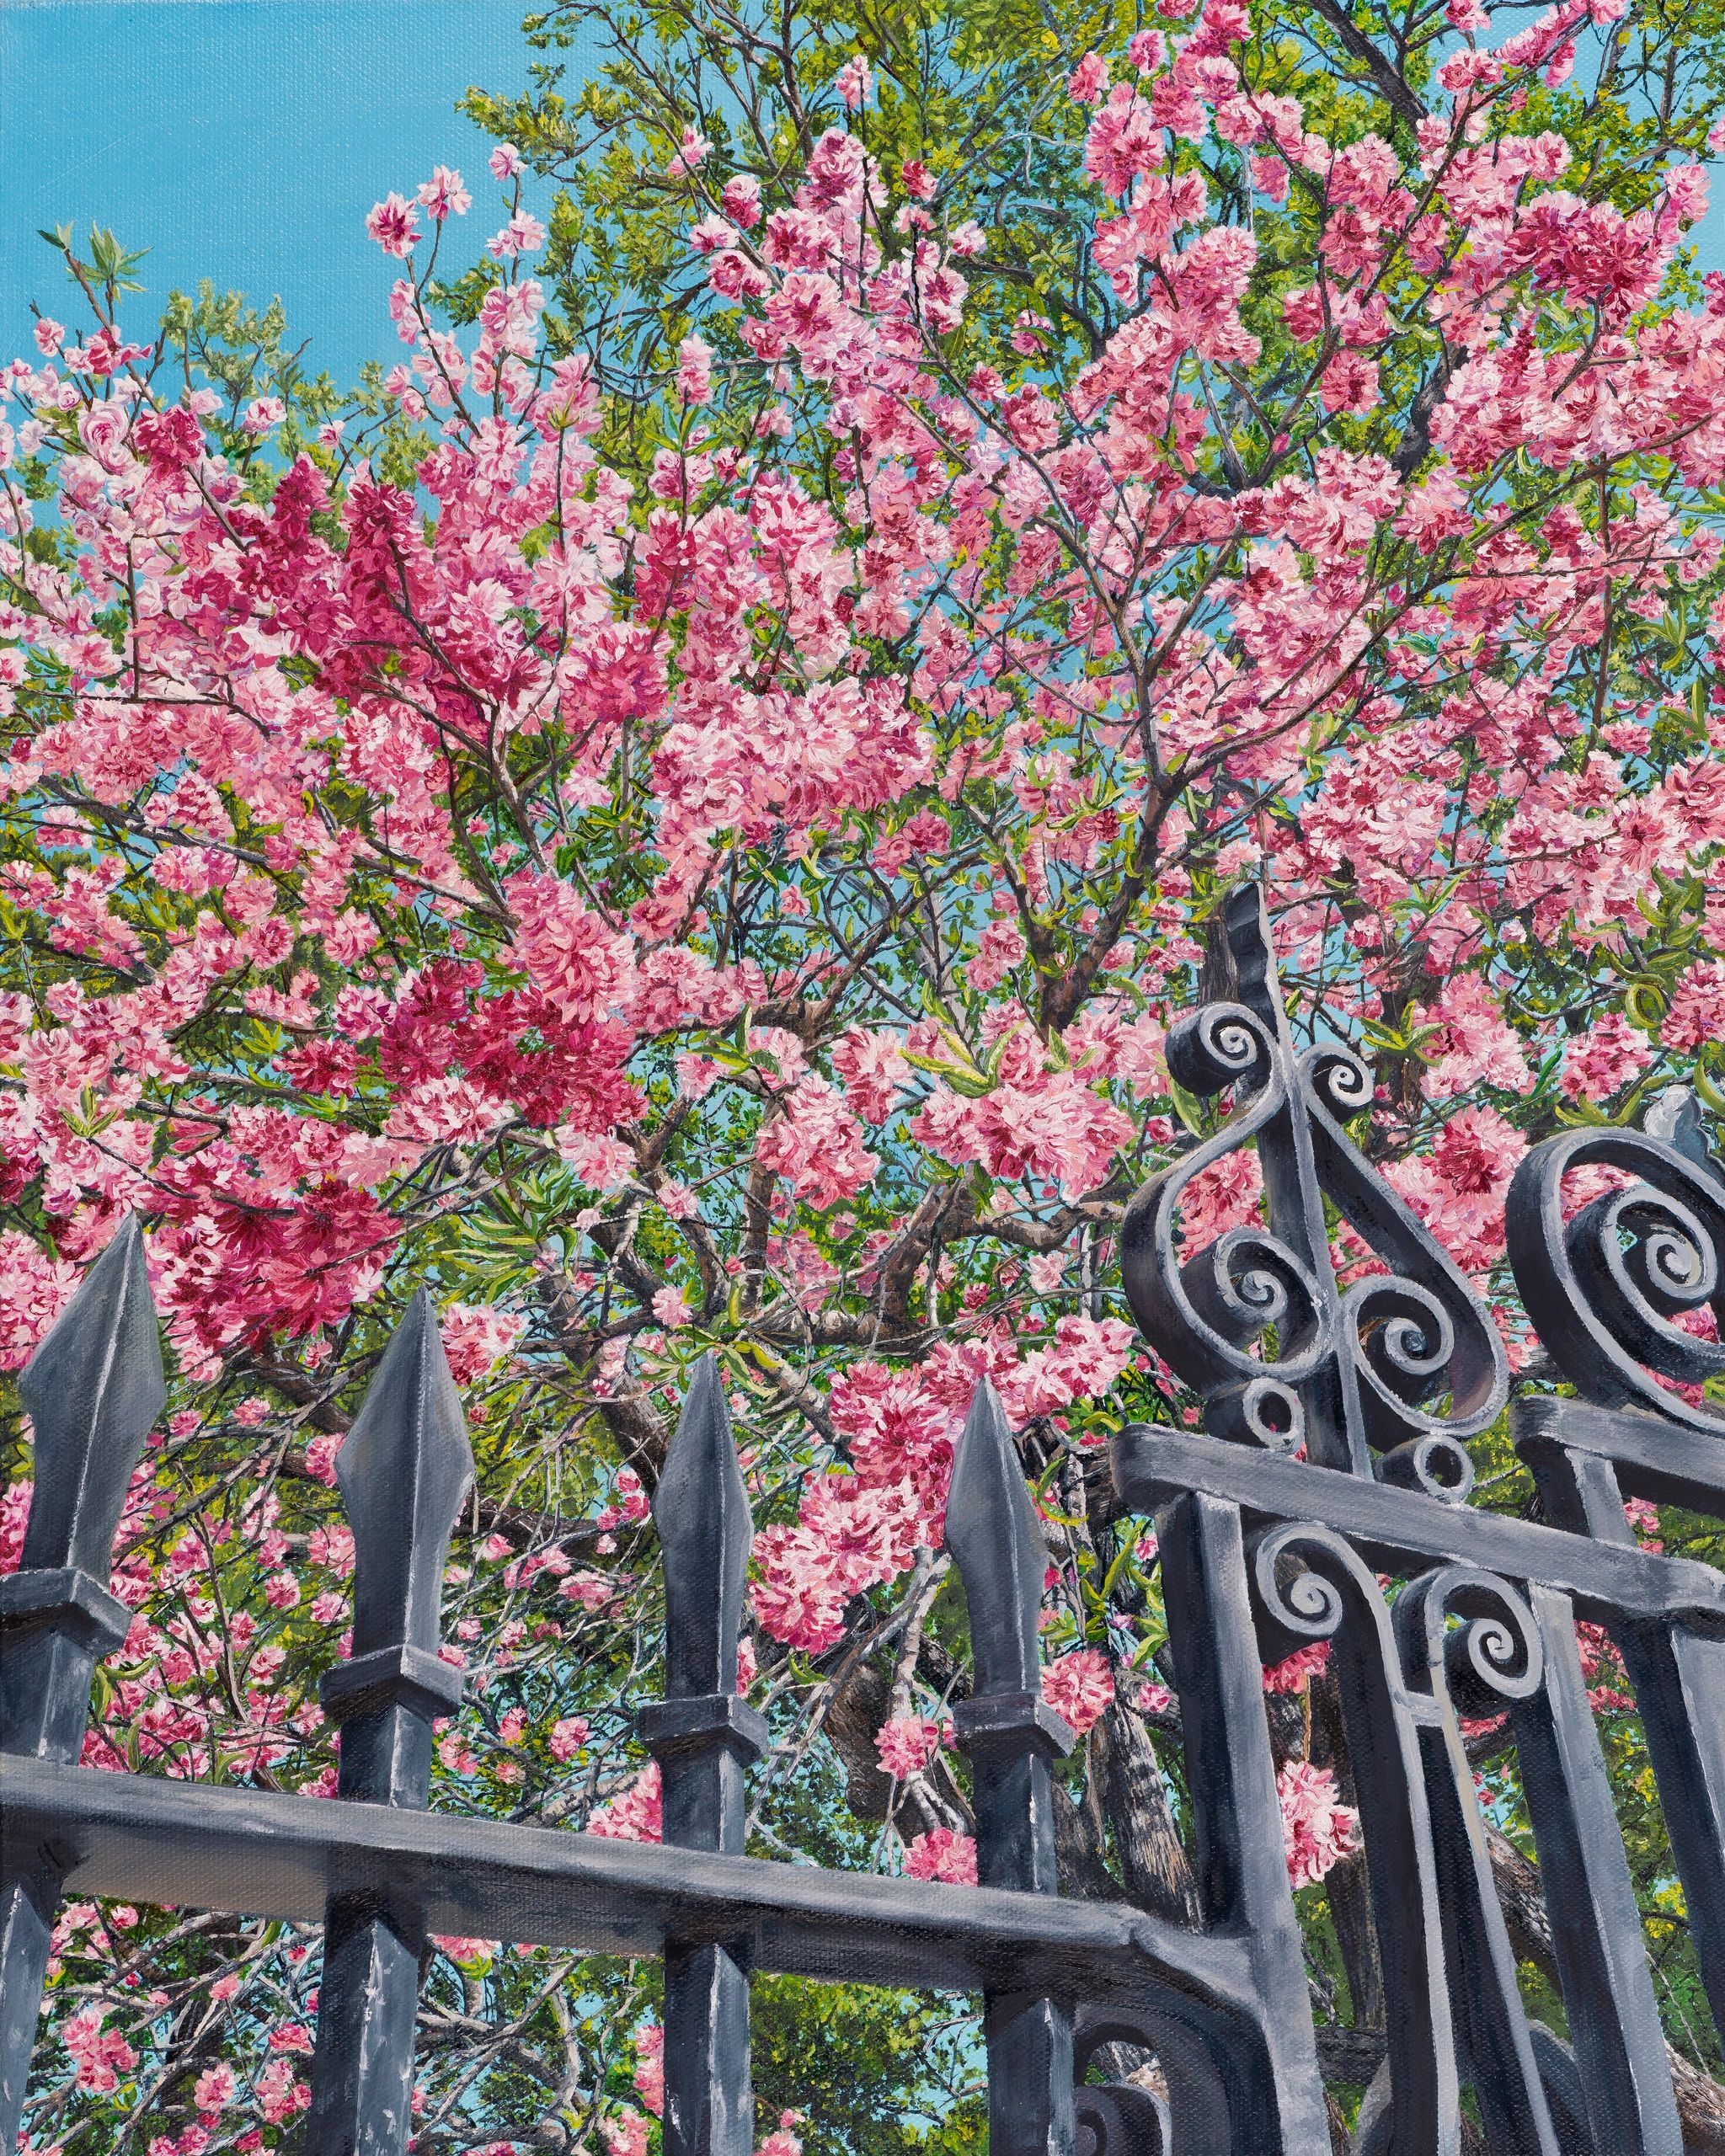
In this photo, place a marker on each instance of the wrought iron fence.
(1325, 1498)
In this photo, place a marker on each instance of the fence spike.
(93, 1388)
(404, 1469)
(703, 1736)
(992, 1534)
(701, 1509)
(1011, 1736)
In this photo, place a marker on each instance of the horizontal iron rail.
(1661, 1461)
(243, 1852)
(1397, 1529)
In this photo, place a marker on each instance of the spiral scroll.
(1493, 1659)
(1207, 1314)
(1604, 1289)
(1406, 1363)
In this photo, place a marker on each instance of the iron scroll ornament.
(1356, 1371)
(1604, 1287)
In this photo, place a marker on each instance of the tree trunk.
(1152, 1858)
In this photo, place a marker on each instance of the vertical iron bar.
(1678, 1682)
(1596, 1933)
(404, 1468)
(703, 1737)
(1442, 1681)
(93, 1389)
(1241, 1861)
(1011, 1737)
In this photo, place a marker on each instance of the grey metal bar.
(704, 1737)
(403, 1468)
(1011, 1739)
(253, 1852)
(1596, 1934)
(93, 1388)
(1402, 1530)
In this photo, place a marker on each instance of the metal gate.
(1325, 1497)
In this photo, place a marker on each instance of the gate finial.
(93, 1388)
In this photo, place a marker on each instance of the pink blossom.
(100, 2055)
(649, 2066)
(1080, 1687)
(320, 1455)
(670, 1307)
(567, 1738)
(214, 2090)
(391, 223)
(1293, 1672)
(691, 153)
(626, 2136)
(1088, 82)
(1318, 1828)
(506, 160)
(33, 1288)
(941, 1854)
(906, 1745)
(740, 198)
(445, 194)
(523, 234)
(635, 1815)
(1697, 1012)
(694, 370)
(853, 81)
(1476, 1045)
(477, 1337)
(1611, 1054)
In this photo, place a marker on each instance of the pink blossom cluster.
(1317, 1828)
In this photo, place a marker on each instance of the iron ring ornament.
(1404, 1363)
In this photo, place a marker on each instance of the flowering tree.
(707, 863)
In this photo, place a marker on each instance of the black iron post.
(1011, 1737)
(404, 1468)
(93, 1388)
(704, 1737)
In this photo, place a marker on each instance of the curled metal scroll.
(1405, 1363)
(1206, 1313)
(1605, 1288)
(1120, 2118)
(1492, 1659)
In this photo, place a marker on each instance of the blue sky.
(243, 141)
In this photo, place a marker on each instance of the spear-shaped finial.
(93, 1388)
(701, 1509)
(404, 1468)
(992, 1532)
